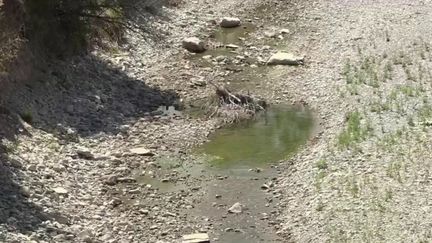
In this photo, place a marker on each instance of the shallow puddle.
(233, 35)
(272, 136)
(234, 154)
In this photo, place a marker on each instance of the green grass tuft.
(354, 131)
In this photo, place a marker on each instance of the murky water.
(233, 35)
(232, 152)
(271, 137)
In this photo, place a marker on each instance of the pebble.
(60, 191)
(236, 208)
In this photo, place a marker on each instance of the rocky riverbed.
(101, 152)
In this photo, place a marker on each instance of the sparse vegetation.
(354, 131)
(27, 116)
(322, 164)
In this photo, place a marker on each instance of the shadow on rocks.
(17, 213)
(85, 96)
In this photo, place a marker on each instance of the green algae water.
(272, 136)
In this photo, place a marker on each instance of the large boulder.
(194, 44)
(284, 58)
(230, 22)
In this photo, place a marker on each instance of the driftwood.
(232, 107)
(227, 97)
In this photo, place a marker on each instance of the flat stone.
(60, 190)
(141, 151)
(232, 46)
(283, 58)
(196, 238)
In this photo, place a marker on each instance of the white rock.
(196, 238)
(194, 44)
(60, 190)
(270, 34)
(284, 31)
(229, 22)
(236, 208)
(283, 58)
(232, 46)
(141, 151)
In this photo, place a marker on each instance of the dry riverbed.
(102, 162)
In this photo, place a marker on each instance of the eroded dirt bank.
(71, 175)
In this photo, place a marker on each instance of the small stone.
(230, 22)
(196, 238)
(115, 202)
(32, 167)
(265, 187)
(284, 31)
(25, 191)
(126, 180)
(270, 34)
(194, 44)
(154, 227)
(218, 196)
(85, 235)
(111, 180)
(170, 214)
(135, 191)
(220, 58)
(283, 58)
(59, 168)
(85, 154)
(141, 151)
(228, 229)
(236, 208)
(60, 190)
(15, 163)
(232, 46)
(144, 211)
